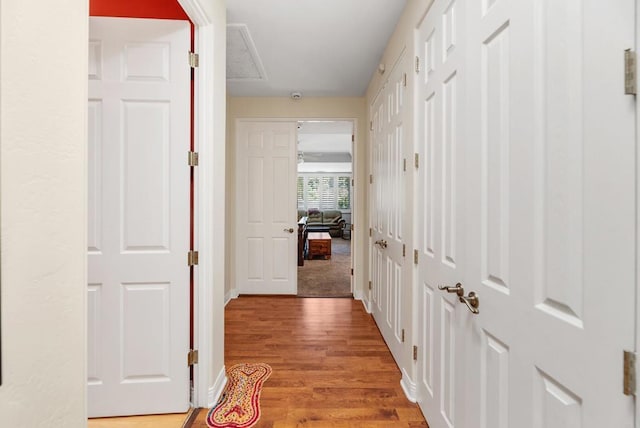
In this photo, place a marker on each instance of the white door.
(266, 222)
(440, 212)
(138, 239)
(548, 219)
(389, 270)
(552, 173)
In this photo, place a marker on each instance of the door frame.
(637, 231)
(209, 205)
(357, 270)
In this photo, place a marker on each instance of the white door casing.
(389, 269)
(266, 235)
(138, 216)
(550, 203)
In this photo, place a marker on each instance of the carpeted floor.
(327, 278)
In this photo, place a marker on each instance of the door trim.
(359, 231)
(637, 231)
(209, 216)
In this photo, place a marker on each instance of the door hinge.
(417, 64)
(630, 74)
(369, 285)
(192, 258)
(629, 386)
(404, 164)
(415, 353)
(370, 232)
(404, 79)
(370, 125)
(351, 271)
(352, 227)
(404, 250)
(352, 182)
(416, 160)
(192, 357)
(194, 60)
(415, 257)
(370, 178)
(403, 335)
(193, 158)
(353, 138)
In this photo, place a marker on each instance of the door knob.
(382, 243)
(290, 230)
(472, 301)
(458, 289)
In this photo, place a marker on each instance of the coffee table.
(319, 244)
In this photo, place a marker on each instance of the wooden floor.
(331, 367)
(151, 421)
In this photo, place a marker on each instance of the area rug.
(239, 406)
(327, 278)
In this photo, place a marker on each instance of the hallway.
(330, 364)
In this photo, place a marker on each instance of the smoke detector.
(296, 95)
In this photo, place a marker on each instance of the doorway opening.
(324, 202)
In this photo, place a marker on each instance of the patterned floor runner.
(239, 406)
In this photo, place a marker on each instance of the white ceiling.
(317, 47)
(332, 137)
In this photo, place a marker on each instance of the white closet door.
(552, 243)
(391, 259)
(546, 223)
(441, 212)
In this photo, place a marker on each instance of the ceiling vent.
(243, 62)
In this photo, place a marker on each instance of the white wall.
(43, 99)
(306, 108)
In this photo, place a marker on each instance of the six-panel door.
(138, 217)
(266, 248)
(548, 174)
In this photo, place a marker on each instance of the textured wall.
(43, 57)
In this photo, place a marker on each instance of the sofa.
(321, 220)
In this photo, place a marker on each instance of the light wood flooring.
(151, 421)
(331, 367)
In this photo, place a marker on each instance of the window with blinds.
(324, 191)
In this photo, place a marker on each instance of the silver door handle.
(472, 301)
(290, 230)
(458, 289)
(382, 243)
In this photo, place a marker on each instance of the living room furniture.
(324, 221)
(319, 244)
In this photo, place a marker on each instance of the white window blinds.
(324, 191)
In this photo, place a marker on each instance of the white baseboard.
(216, 390)
(358, 295)
(231, 294)
(409, 387)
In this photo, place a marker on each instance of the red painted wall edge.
(160, 9)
